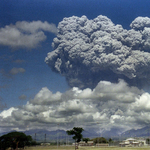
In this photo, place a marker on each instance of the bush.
(15, 140)
(100, 140)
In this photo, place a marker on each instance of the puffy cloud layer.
(25, 34)
(107, 105)
(88, 51)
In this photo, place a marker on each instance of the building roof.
(90, 141)
(127, 142)
(135, 142)
(130, 139)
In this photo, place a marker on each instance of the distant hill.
(143, 132)
(61, 136)
(45, 135)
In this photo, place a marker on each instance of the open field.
(86, 148)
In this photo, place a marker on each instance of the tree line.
(77, 136)
(15, 140)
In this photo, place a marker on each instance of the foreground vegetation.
(85, 148)
(15, 140)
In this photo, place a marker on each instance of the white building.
(45, 144)
(89, 143)
(131, 142)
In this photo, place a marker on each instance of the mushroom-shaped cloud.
(88, 51)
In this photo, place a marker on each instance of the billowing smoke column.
(87, 51)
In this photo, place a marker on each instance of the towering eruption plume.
(88, 51)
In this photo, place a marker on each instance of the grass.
(86, 148)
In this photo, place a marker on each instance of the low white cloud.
(25, 34)
(22, 97)
(15, 71)
(108, 104)
(8, 112)
(45, 96)
(12, 72)
(19, 61)
(142, 103)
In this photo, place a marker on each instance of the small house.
(131, 142)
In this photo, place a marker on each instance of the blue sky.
(37, 73)
(16, 89)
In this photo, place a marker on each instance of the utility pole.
(45, 139)
(35, 137)
(98, 140)
(57, 134)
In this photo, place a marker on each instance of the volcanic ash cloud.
(88, 51)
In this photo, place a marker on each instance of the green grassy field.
(86, 148)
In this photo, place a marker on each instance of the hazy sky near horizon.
(37, 88)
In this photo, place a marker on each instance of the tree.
(110, 140)
(100, 140)
(77, 132)
(86, 139)
(15, 140)
(147, 141)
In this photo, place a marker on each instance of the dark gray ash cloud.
(88, 51)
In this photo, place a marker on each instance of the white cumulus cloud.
(25, 34)
(108, 104)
